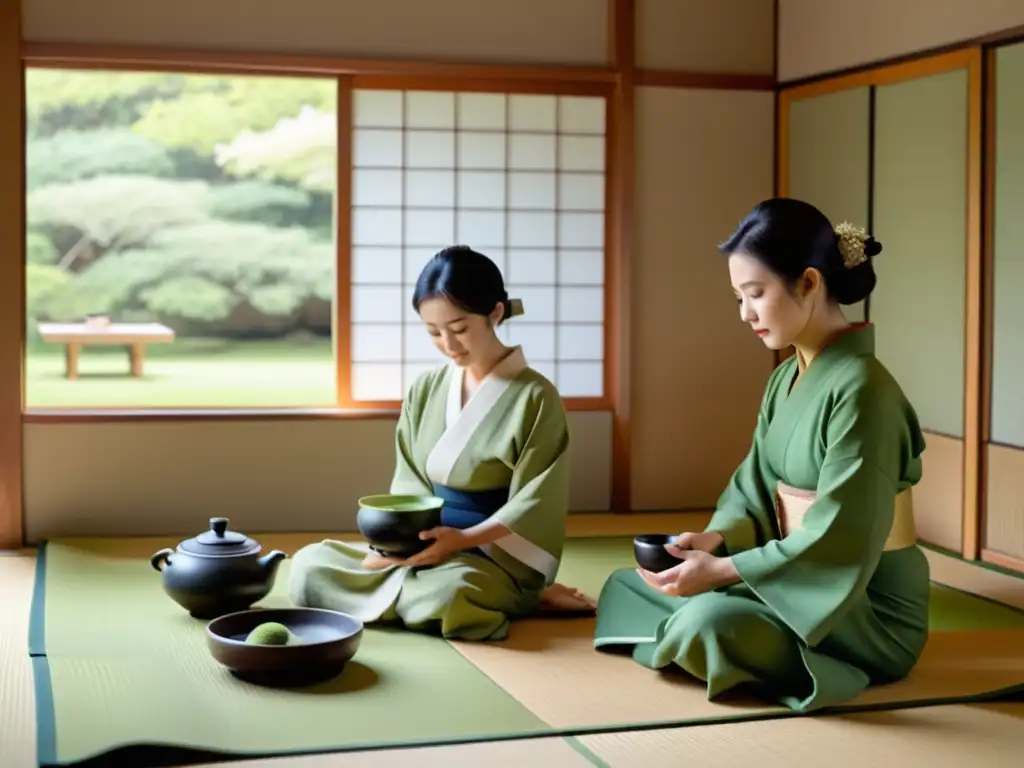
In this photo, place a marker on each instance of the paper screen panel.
(920, 209)
(518, 177)
(829, 162)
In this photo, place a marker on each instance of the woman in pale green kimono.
(807, 585)
(488, 435)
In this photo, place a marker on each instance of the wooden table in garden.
(134, 336)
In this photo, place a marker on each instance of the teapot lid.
(219, 541)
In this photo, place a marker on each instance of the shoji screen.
(1003, 530)
(888, 150)
(920, 215)
(829, 158)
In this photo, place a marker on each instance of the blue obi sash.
(464, 509)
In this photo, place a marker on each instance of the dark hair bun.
(853, 285)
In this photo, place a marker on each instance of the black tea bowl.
(650, 553)
(391, 524)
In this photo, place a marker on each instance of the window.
(518, 177)
(180, 240)
(182, 249)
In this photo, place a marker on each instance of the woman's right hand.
(707, 541)
(375, 562)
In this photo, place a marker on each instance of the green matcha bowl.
(284, 647)
(392, 523)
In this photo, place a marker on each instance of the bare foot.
(375, 562)
(559, 598)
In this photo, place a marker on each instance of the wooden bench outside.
(134, 336)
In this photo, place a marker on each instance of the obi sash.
(464, 509)
(791, 504)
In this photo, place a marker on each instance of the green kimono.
(827, 609)
(504, 457)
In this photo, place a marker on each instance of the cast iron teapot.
(217, 572)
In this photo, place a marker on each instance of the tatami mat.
(983, 735)
(538, 753)
(552, 669)
(937, 736)
(17, 696)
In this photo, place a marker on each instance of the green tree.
(42, 282)
(189, 114)
(49, 90)
(39, 249)
(214, 110)
(262, 201)
(301, 149)
(114, 211)
(202, 272)
(74, 155)
(145, 190)
(58, 99)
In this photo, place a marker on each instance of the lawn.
(188, 374)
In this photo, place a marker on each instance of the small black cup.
(650, 553)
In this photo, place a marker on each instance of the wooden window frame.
(350, 77)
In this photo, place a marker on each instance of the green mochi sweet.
(272, 633)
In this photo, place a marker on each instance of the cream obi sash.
(791, 504)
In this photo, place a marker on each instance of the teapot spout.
(271, 560)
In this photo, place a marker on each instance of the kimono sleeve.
(744, 512)
(538, 503)
(408, 478)
(811, 577)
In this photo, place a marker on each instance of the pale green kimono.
(512, 434)
(822, 612)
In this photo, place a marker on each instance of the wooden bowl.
(391, 524)
(650, 553)
(327, 642)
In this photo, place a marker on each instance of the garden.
(203, 204)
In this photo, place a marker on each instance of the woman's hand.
(447, 541)
(377, 562)
(705, 542)
(698, 573)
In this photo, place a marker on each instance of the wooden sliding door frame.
(622, 158)
(989, 74)
(974, 310)
(975, 376)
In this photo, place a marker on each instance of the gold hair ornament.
(851, 242)
(515, 307)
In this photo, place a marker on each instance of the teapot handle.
(161, 558)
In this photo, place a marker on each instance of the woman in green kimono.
(488, 435)
(807, 585)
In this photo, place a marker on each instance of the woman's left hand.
(698, 573)
(447, 541)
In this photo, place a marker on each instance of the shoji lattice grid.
(518, 177)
